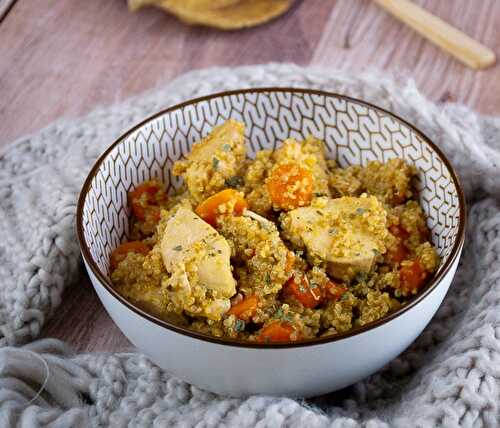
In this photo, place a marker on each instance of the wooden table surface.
(63, 58)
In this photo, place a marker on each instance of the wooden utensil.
(448, 38)
(5, 6)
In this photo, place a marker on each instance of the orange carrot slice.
(398, 253)
(399, 231)
(245, 309)
(145, 200)
(302, 291)
(208, 210)
(122, 250)
(276, 332)
(290, 262)
(334, 291)
(290, 186)
(412, 277)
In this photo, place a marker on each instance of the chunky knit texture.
(450, 376)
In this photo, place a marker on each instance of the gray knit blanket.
(449, 377)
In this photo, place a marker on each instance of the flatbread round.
(188, 4)
(134, 5)
(207, 4)
(245, 13)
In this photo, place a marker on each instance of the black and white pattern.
(353, 132)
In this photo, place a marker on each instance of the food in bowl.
(354, 132)
(283, 247)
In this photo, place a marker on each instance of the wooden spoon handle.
(453, 41)
(5, 6)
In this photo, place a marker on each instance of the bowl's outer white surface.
(354, 133)
(303, 371)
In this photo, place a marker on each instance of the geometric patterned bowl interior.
(353, 132)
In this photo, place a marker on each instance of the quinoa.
(256, 194)
(262, 252)
(317, 255)
(390, 181)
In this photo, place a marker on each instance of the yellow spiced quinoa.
(284, 247)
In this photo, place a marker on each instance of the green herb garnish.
(178, 248)
(360, 211)
(226, 147)
(239, 325)
(360, 277)
(234, 181)
(215, 163)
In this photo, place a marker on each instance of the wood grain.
(442, 34)
(366, 37)
(63, 58)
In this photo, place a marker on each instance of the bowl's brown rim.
(240, 343)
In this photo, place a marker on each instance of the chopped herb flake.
(215, 163)
(178, 248)
(226, 147)
(319, 213)
(234, 181)
(279, 314)
(360, 211)
(319, 194)
(360, 277)
(239, 325)
(332, 231)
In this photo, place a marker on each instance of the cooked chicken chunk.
(198, 259)
(348, 233)
(213, 160)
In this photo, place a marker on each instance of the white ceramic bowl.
(355, 133)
